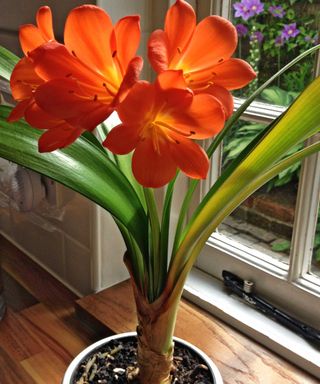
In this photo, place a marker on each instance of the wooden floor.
(40, 333)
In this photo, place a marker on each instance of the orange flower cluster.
(68, 89)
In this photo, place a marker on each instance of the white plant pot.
(73, 367)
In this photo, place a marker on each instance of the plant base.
(113, 361)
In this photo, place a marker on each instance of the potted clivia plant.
(64, 91)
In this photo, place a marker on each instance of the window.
(287, 272)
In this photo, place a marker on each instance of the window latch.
(245, 290)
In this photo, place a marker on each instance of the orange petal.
(38, 118)
(171, 79)
(58, 137)
(214, 40)
(138, 105)
(62, 98)
(152, 169)
(130, 78)
(179, 26)
(204, 118)
(223, 96)
(30, 38)
(24, 80)
(190, 158)
(19, 110)
(172, 90)
(87, 33)
(233, 74)
(121, 50)
(52, 60)
(91, 117)
(44, 22)
(158, 50)
(122, 139)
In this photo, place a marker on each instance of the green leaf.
(236, 147)
(89, 136)
(252, 128)
(82, 167)
(281, 245)
(7, 62)
(317, 240)
(276, 95)
(164, 235)
(123, 161)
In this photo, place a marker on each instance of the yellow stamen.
(171, 128)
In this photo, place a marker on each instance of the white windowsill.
(209, 294)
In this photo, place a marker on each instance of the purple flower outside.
(241, 29)
(242, 11)
(277, 11)
(255, 5)
(248, 8)
(289, 30)
(257, 36)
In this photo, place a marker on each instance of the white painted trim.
(60, 278)
(96, 260)
(301, 297)
(306, 216)
(259, 111)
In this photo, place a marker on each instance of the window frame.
(299, 290)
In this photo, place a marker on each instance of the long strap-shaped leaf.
(81, 167)
(7, 62)
(174, 290)
(300, 122)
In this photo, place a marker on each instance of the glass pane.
(271, 34)
(265, 220)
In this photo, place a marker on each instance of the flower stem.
(154, 232)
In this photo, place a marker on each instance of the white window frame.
(291, 287)
(296, 273)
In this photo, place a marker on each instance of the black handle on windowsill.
(244, 289)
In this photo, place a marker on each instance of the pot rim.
(68, 376)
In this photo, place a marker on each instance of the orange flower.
(24, 80)
(202, 51)
(70, 88)
(159, 122)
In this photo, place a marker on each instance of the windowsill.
(209, 294)
(238, 358)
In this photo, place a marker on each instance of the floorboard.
(40, 333)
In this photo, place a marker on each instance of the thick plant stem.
(156, 322)
(154, 364)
